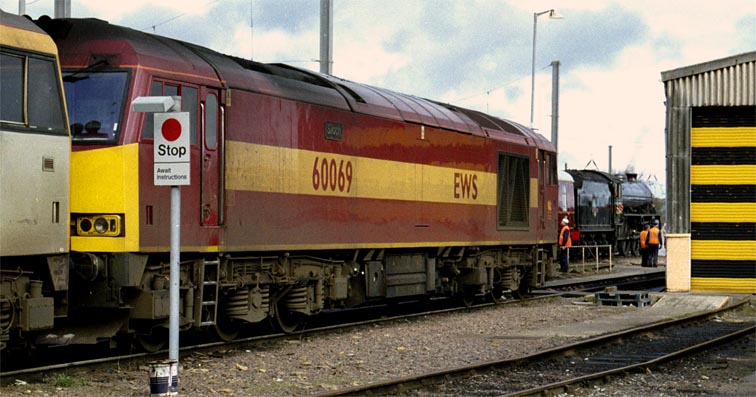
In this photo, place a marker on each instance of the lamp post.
(552, 15)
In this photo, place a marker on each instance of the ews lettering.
(465, 186)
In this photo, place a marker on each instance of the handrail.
(596, 247)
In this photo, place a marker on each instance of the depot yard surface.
(308, 365)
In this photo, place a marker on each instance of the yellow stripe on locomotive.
(296, 171)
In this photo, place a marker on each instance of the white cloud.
(625, 110)
(277, 46)
(367, 63)
(476, 54)
(114, 9)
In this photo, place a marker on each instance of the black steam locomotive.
(606, 209)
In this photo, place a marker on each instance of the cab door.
(547, 194)
(212, 158)
(542, 178)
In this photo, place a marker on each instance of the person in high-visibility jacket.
(643, 247)
(654, 241)
(565, 240)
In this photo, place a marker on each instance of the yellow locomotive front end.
(103, 204)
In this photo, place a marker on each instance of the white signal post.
(172, 168)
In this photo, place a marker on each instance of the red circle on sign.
(171, 129)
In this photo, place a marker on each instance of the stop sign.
(171, 149)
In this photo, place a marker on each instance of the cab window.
(189, 103)
(30, 95)
(95, 103)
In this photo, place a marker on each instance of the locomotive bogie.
(23, 306)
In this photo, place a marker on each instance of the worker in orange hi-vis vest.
(653, 243)
(643, 247)
(564, 241)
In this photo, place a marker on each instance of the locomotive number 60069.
(332, 174)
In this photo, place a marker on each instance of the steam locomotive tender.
(308, 193)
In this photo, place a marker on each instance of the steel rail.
(587, 285)
(393, 386)
(542, 295)
(564, 386)
(261, 338)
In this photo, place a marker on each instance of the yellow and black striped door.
(723, 199)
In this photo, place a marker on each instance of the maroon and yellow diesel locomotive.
(308, 192)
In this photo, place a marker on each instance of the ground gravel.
(311, 364)
(727, 371)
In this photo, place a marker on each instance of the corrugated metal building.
(711, 175)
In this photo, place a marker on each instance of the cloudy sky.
(477, 54)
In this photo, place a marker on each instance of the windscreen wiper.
(73, 76)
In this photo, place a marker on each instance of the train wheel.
(468, 297)
(499, 294)
(153, 342)
(516, 279)
(517, 294)
(287, 321)
(523, 291)
(226, 329)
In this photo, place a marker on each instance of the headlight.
(85, 225)
(99, 225)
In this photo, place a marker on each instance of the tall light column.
(553, 15)
(326, 36)
(62, 8)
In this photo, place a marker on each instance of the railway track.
(637, 282)
(329, 322)
(322, 326)
(564, 368)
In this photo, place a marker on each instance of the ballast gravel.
(307, 365)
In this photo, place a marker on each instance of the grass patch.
(66, 380)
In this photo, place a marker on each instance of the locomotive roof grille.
(352, 93)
